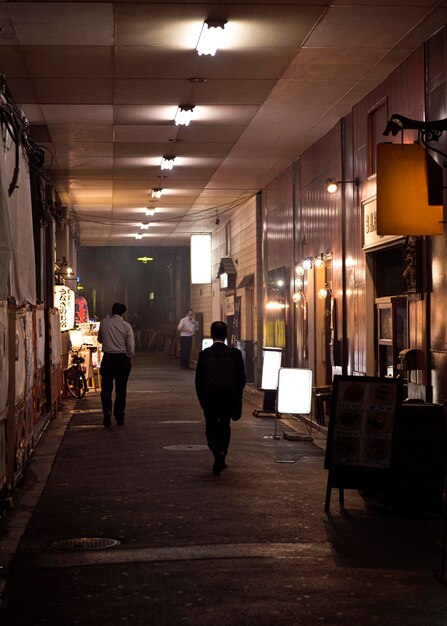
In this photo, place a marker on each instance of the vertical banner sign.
(64, 300)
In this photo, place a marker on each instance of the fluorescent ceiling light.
(138, 236)
(184, 115)
(167, 162)
(144, 225)
(150, 212)
(156, 193)
(210, 37)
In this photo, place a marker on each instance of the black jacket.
(235, 395)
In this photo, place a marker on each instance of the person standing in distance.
(118, 346)
(220, 381)
(186, 327)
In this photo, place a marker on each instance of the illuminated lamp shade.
(299, 269)
(331, 185)
(322, 294)
(297, 296)
(294, 390)
(319, 262)
(184, 115)
(210, 37)
(307, 264)
(271, 362)
(200, 259)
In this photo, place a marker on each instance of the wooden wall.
(307, 221)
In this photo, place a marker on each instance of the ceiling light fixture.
(144, 225)
(210, 37)
(150, 211)
(156, 192)
(138, 236)
(167, 162)
(183, 115)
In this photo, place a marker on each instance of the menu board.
(362, 421)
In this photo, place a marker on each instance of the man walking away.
(118, 346)
(186, 327)
(220, 381)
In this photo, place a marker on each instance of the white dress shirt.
(116, 336)
(186, 327)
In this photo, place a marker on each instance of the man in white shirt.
(186, 327)
(118, 346)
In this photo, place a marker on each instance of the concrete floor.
(250, 547)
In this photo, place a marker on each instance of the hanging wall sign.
(64, 300)
(409, 191)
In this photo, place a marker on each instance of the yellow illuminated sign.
(403, 189)
(145, 259)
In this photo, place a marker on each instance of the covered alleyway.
(252, 546)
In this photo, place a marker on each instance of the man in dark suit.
(220, 381)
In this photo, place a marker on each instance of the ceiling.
(100, 83)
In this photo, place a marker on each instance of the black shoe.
(106, 422)
(120, 422)
(219, 464)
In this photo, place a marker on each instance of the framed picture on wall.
(229, 305)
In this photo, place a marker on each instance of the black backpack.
(219, 373)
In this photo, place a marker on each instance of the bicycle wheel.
(76, 383)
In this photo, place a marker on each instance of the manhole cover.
(186, 447)
(84, 543)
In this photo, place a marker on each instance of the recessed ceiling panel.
(69, 61)
(63, 23)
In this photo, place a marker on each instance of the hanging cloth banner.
(408, 180)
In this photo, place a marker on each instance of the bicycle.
(75, 377)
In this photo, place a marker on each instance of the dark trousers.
(185, 350)
(115, 368)
(218, 430)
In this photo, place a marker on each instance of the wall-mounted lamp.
(299, 269)
(307, 264)
(297, 296)
(183, 115)
(324, 292)
(167, 162)
(332, 183)
(210, 37)
(319, 261)
(60, 275)
(156, 192)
